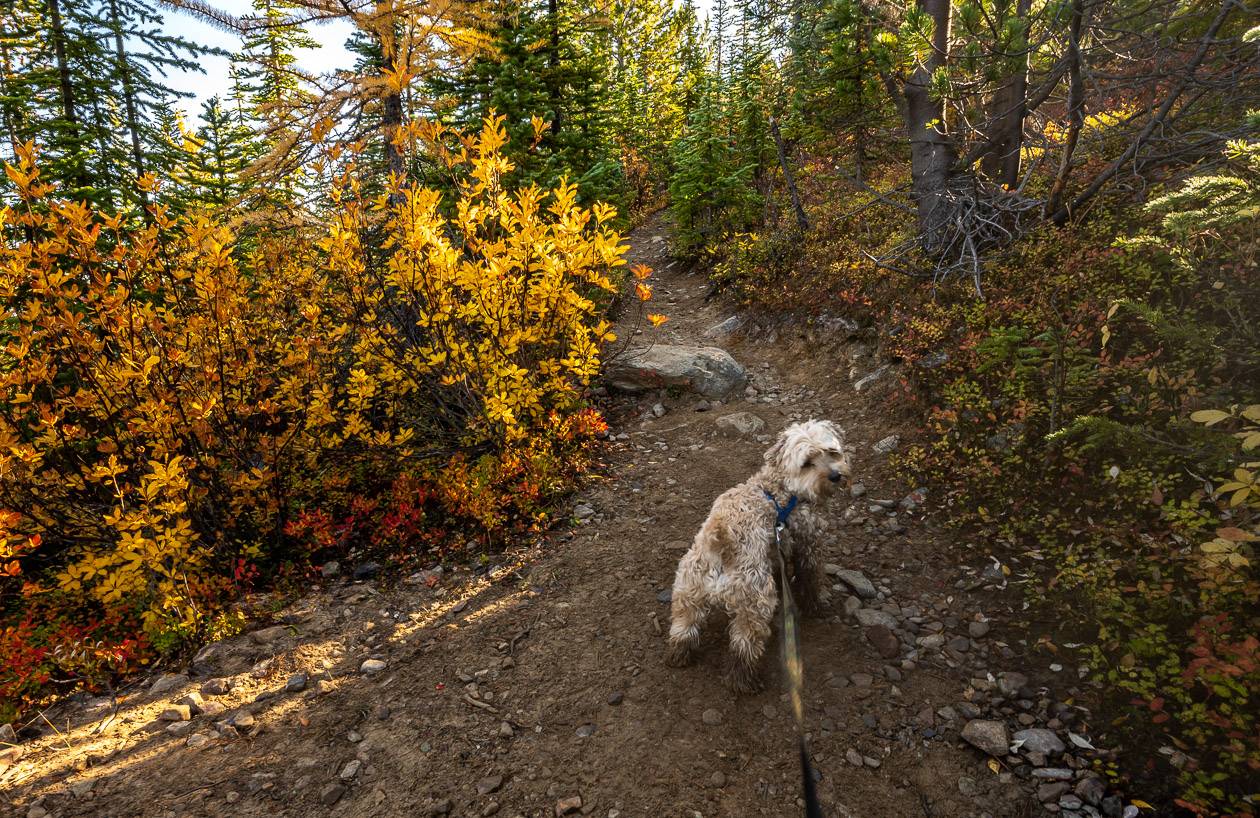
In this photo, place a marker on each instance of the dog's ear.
(835, 430)
(774, 455)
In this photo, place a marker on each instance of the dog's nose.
(834, 475)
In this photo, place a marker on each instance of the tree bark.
(932, 151)
(1076, 109)
(788, 176)
(69, 112)
(1006, 115)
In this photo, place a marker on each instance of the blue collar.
(782, 511)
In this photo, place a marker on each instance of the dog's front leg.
(809, 581)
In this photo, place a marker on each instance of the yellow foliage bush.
(176, 403)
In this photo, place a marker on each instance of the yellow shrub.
(171, 399)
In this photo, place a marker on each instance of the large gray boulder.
(710, 371)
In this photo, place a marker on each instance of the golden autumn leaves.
(170, 392)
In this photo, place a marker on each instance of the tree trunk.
(932, 152)
(1006, 114)
(129, 100)
(69, 113)
(1075, 105)
(790, 178)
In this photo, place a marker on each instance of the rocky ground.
(534, 685)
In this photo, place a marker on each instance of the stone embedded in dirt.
(1040, 740)
(1071, 802)
(296, 683)
(331, 794)
(1009, 683)
(711, 717)
(853, 757)
(440, 807)
(586, 731)
(568, 806)
(1091, 790)
(179, 729)
(37, 812)
(887, 446)
(978, 629)
(198, 740)
(987, 736)
(967, 710)
(367, 570)
(665, 596)
(718, 779)
(658, 410)
(195, 702)
(933, 641)
(1053, 774)
(267, 636)
(1050, 793)
(866, 381)
(710, 371)
(582, 511)
(489, 784)
(870, 616)
(858, 582)
(960, 643)
(351, 769)
(1112, 806)
(739, 424)
(723, 329)
(505, 730)
(851, 603)
(330, 569)
(168, 681)
(175, 712)
(857, 490)
(7, 734)
(862, 679)
(215, 687)
(615, 698)
(242, 719)
(884, 641)
(371, 666)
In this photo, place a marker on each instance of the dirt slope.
(508, 690)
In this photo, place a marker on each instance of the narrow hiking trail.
(536, 686)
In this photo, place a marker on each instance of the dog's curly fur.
(732, 563)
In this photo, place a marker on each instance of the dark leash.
(792, 664)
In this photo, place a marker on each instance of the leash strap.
(792, 664)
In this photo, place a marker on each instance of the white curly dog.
(732, 563)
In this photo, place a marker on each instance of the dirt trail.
(505, 691)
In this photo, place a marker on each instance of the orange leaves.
(656, 319)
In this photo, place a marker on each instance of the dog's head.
(811, 458)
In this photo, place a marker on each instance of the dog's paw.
(744, 680)
(680, 654)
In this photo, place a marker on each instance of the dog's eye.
(809, 463)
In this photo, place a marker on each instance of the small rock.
(857, 490)
(267, 636)
(871, 762)
(1053, 774)
(867, 380)
(1091, 790)
(176, 712)
(862, 679)
(978, 629)
(1040, 740)
(296, 683)
(367, 570)
(215, 687)
(568, 806)
(371, 666)
(887, 445)
(331, 794)
(664, 597)
(179, 729)
(740, 424)
(194, 701)
(586, 731)
(489, 784)
(711, 717)
(330, 569)
(351, 769)
(505, 730)
(987, 736)
(960, 643)
(1010, 683)
(616, 698)
(7, 734)
(37, 812)
(658, 410)
(442, 807)
(1071, 802)
(198, 740)
(582, 511)
(168, 681)
(858, 582)
(853, 757)
(718, 779)
(1050, 793)
(883, 640)
(868, 617)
